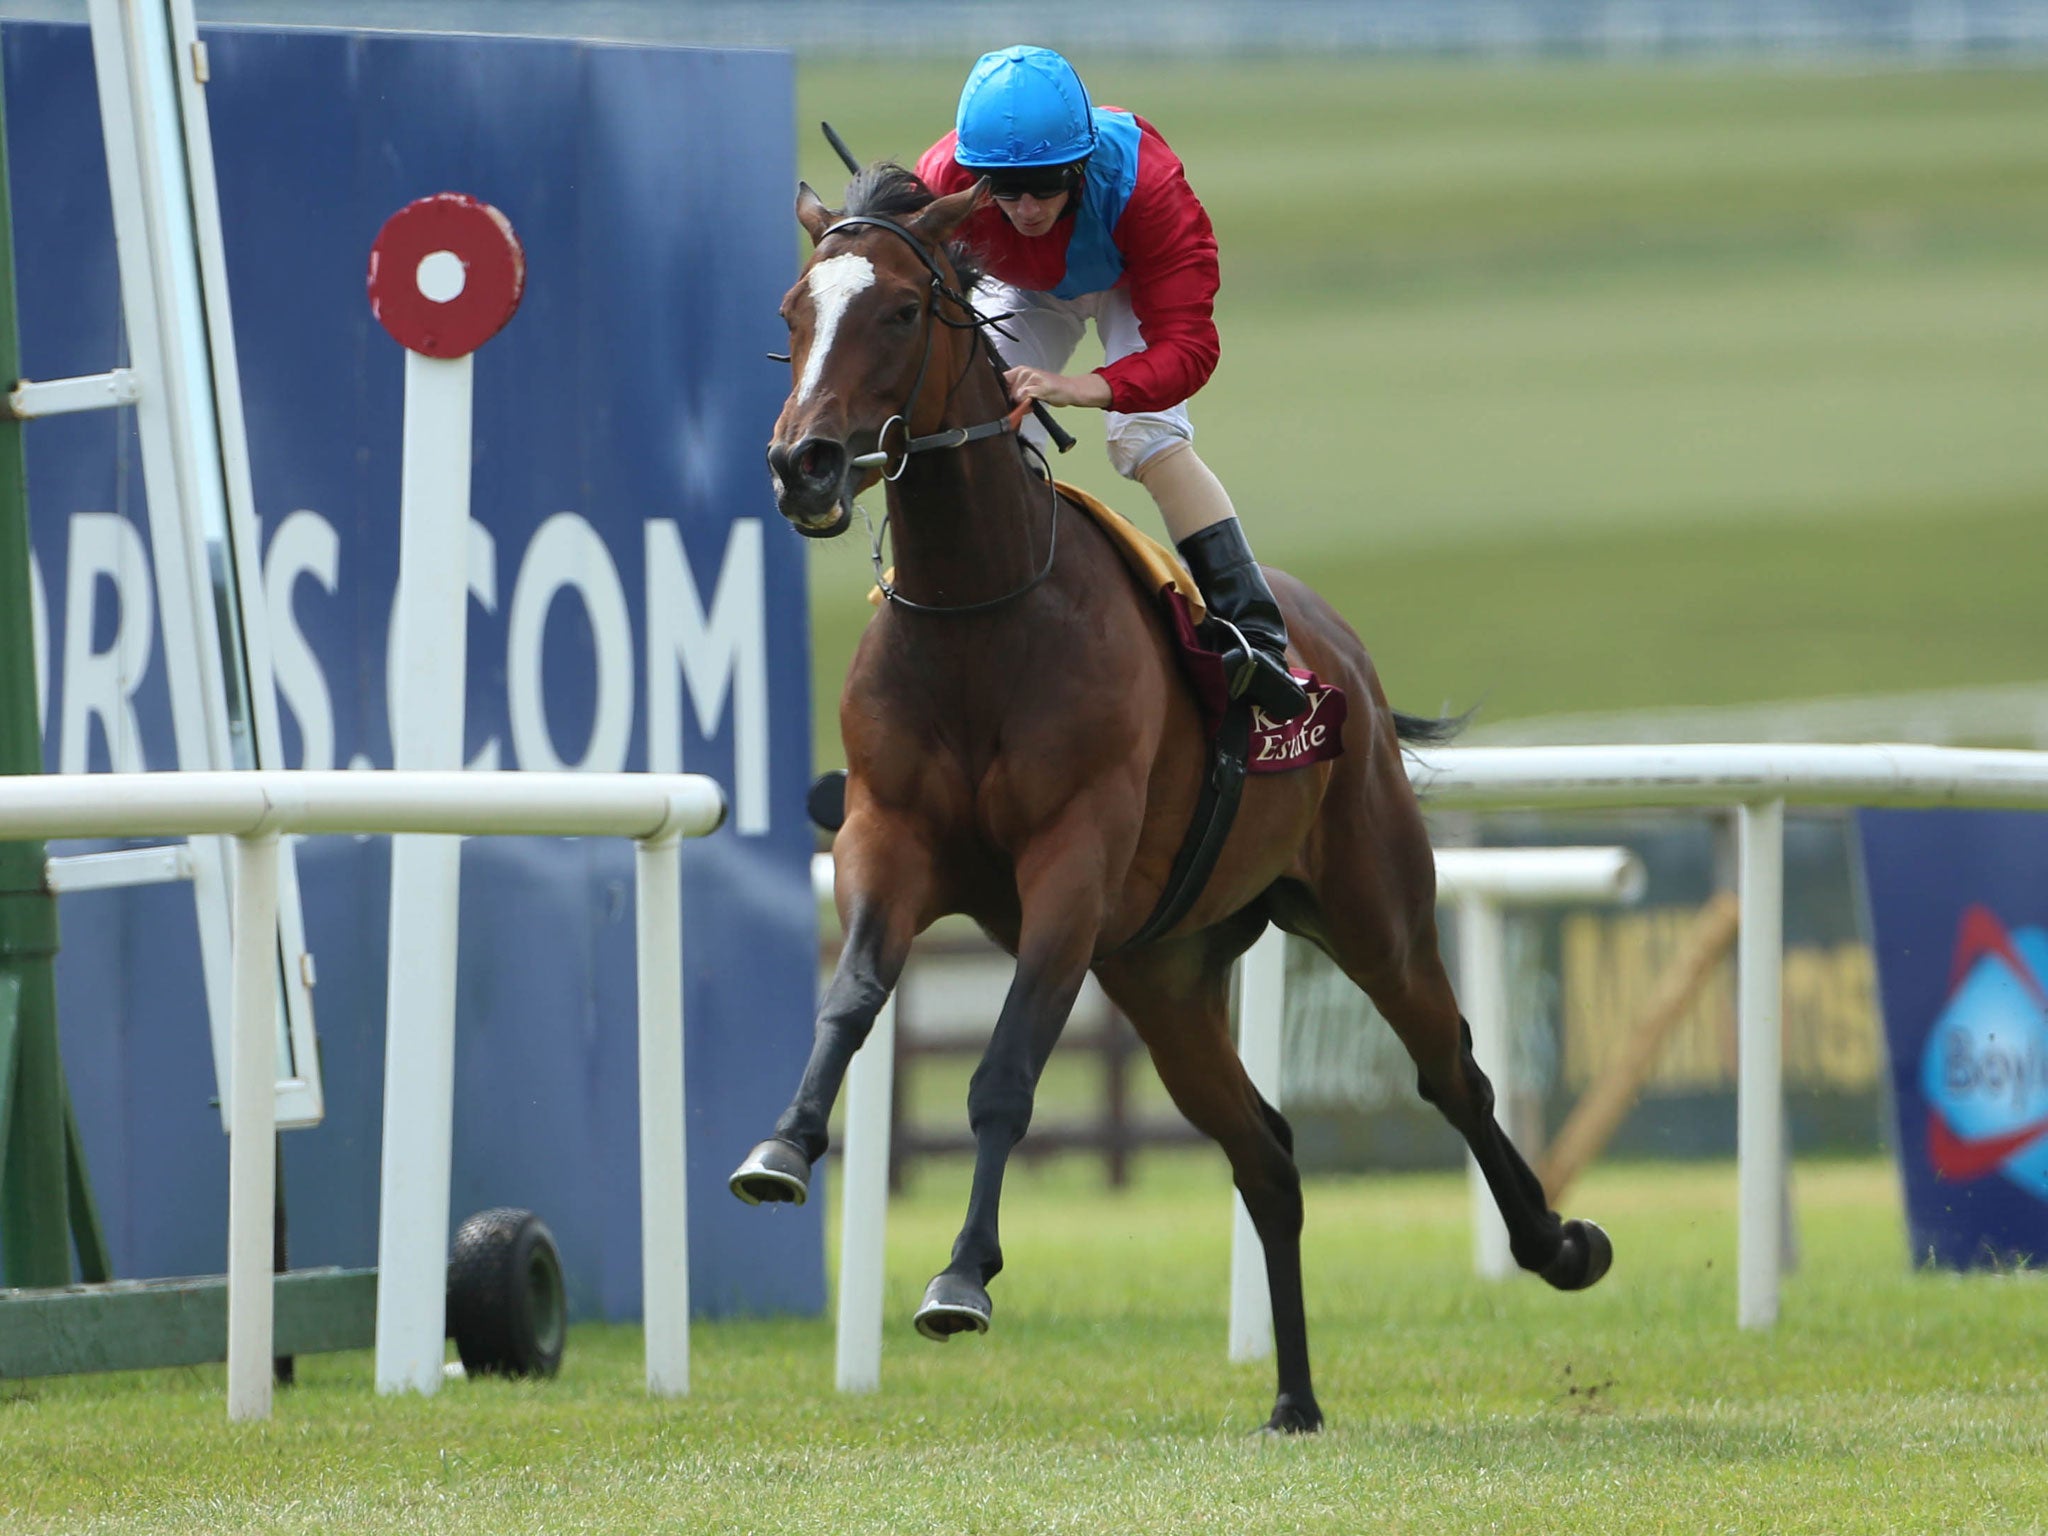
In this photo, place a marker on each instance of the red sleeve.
(936, 168)
(1169, 251)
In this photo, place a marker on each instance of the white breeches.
(1048, 329)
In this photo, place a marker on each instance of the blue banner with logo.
(1959, 922)
(635, 603)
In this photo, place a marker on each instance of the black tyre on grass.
(507, 1310)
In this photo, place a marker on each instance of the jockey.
(1092, 219)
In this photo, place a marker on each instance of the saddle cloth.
(1273, 748)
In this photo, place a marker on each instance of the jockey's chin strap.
(893, 462)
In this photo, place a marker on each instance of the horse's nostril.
(819, 461)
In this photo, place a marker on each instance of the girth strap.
(1208, 828)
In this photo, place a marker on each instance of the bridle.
(893, 462)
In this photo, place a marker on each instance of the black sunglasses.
(1037, 182)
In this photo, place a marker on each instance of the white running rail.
(1758, 782)
(256, 809)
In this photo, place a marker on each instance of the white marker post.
(446, 273)
(1261, 1011)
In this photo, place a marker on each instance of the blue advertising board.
(636, 603)
(1959, 923)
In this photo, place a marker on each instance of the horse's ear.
(812, 213)
(940, 217)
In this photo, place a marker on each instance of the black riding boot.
(1235, 589)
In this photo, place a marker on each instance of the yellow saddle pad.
(1150, 561)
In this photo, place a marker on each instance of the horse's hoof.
(774, 1171)
(953, 1304)
(1293, 1416)
(1585, 1257)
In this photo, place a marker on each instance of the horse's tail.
(1430, 731)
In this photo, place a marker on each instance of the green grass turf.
(1597, 387)
(1102, 1402)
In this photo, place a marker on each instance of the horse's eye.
(908, 314)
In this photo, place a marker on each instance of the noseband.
(893, 464)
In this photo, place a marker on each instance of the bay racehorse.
(1020, 748)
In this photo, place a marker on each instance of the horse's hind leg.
(1177, 996)
(1375, 917)
(1570, 1255)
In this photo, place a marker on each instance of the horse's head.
(865, 343)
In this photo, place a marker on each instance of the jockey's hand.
(1089, 389)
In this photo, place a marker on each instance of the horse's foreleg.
(1061, 908)
(882, 916)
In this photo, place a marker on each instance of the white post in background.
(864, 1205)
(429, 639)
(252, 1126)
(1760, 1104)
(1482, 978)
(446, 273)
(1261, 1006)
(664, 1182)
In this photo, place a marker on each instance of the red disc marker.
(446, 273)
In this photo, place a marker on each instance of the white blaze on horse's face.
(835, 283)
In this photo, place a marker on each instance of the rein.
(894, 464)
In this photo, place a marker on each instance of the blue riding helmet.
(1023, 108)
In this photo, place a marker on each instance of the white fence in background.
(657, 810)
(1756, 782)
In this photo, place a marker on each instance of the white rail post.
(446, 273)
(430, 673)
(864, 1205)
(1760, 1090)
(254, 808)
(664, 1152)
(1482, 978)
(1261, 1007)
(252, 1126)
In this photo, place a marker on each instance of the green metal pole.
(34, 1184)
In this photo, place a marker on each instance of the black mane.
(885, 190)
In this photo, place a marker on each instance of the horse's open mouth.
(828, 525)
(813, 488)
